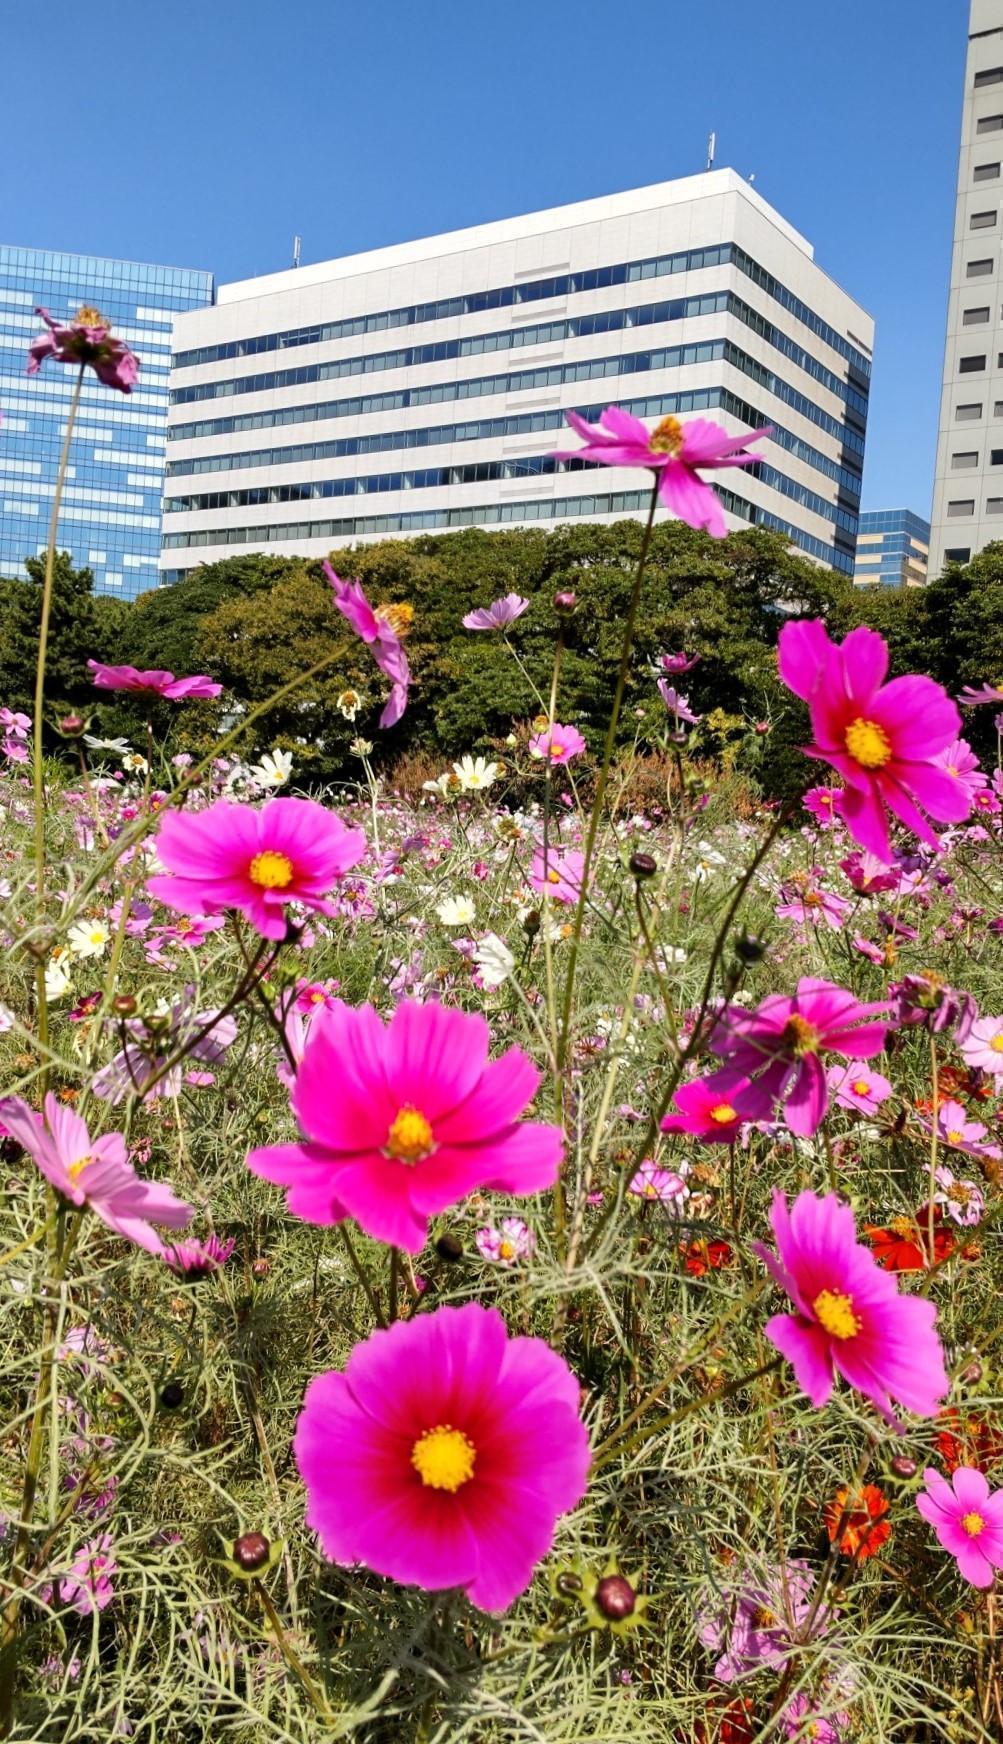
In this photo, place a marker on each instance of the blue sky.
(207, 132)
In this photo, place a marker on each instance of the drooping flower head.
(155, 683)
(444, 1454)
(677, 704)
(498, 615)
(232, 856)
(557, 873)
(716, 1108)
(557, 744)
(382, 630)
(94, 1172)
(421, 1118)
(193, 1260)
(849, 1317)
(967, 1517)
(86, 339)
(883, 739)
(674, 451)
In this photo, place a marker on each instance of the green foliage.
(72, 636)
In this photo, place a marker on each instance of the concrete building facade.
(968, 491)
(893, 548)
(423, 387)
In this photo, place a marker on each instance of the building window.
(989, 124)
(961, 509)
(972, 365)
(958, 554)
(987, 172)
(964, 462)
(968, 414)
(979, 269)
(975, 317)
(982, 221)
(994, 505)
(989, 76)
(996, 457)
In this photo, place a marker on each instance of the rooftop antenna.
(711, 149)
(297, 245)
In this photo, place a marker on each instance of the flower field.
(501, 1265)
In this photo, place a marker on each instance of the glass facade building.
(110, 517)
(893, 549)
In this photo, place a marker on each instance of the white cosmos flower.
(708, 860)
(456, 911)
(121, 746)
(88, 938)
(274, 769)
(447, 786)
(494, 960)
(57, 980)
(474, 773)
(133, 760)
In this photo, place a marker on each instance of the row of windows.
(973, 411)
(428, 520)
(49, 263)
(612, 320)
(561, 285)
(967, 460)
(975, 363)
(526, 424)
(963, 508)
(641, 362)
(477, 472)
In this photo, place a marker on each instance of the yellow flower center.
(410, 1137)
(444, 1458)
(397, 618)
(996, 1044)
(668, 437)
(973, 1524)
(954, 1136)
(860, 1087)
(270, 870)
(77, 1168)
(506, 1251)
(763, 1617)
(868, 744)
(553, 877)
(91, 317)
(556, 750)
(834, 1313)
(723, 1113)
(800, 1036)
(952, 771)
(904, 1228)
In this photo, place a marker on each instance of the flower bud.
(251, 1551)
(903, 1466)
(615, 1597)
(643, 865)
(124, 1005)
(172, 1395)
(749, 949)
(568, 1583)
(565, 603)
(448, 1247)
(260, 1268)
(531, 924)
(71, 726)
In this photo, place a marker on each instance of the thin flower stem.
(934, 1120)
(692, 1406)
(291, 1657)
(363, 1276)
(393, 1284)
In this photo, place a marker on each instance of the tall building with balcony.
(424, 386)
(893, 548)
(110, 516)
(968, 493)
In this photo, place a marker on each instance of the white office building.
(423, 387)
(968, 493)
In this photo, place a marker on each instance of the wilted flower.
(85, 339)
(149, 1046)
(963, 1201)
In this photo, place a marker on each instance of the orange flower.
(856, 1523)
(903, 1245)
(967, 1439)
(701, 1257)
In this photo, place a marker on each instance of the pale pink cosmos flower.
(849, 1317)
(857, 1086)
(512, 1241)
(232, 856)
(498, 615)
(194, 1260)
(156, 683)
(557, 744)
(85, 339)
(677, 704)
(15, 723)
(809, 906)
(421, 1119)
(962, 766)
(87, 1584)
(982, 1045)
(557, 873)
(964, 1201)
(881, 738)
(379, 629)
(969, 697)
(666, 1186)
(967, 1517)
(672, 450)
(676, 664)
(94, 1172)
(962, 1134)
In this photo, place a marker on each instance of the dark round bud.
(972, 1375)
(260, 1268)
(749, 949)
(531, 924)
(72, 725)
(124, 1004)
(568, 1584)
(643, 865)
(565, 603)
(172, 1396)
(251, 1551)
(615, 1598)
(448, 1247)
(903, 1466)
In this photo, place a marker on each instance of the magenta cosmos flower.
(420, 1118)
(94, 1172)
(194, 1260)
(158, 683)
(498, 615)
(967, 1517)
(444, 1453)
(558, 874)
(231, 856)
(780, 1042)
(380, 629)
(674, 451)
(714, 1109)
(849, 1317)
(557, 744)
(883, 739)
(87, 340)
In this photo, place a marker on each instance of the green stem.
(362, 1275)
(291, 1657)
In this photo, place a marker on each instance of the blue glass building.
(110, 518)
(893, 549)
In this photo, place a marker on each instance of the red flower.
(701, 1257)
(968, 1439)
(903, 1246)
(855, 1523)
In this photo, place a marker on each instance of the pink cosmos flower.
(85, 339)
(231, 856)
(964, 1201)
(557, 744)
(676, 664)
(18, 725)
(674, 451)
(444, 1453)
(962, 766)
(969, 697)
(677, 704)
(513, 1241)
(821, 802)
(801, 1719)
(667, 1186)
(498, 615)
(967, 1517)
(982, 1046)
(962, 1134)
(881, 738)
(205, 1035)
(849, 1316)
(986, 801)
(157, 683)
(782, 1039)
(94, 1172)
(193, 1260)
(856, 1086)
(87, 1585)
(421, 1118)
(557, 874)
(715, 1108)
(763, 1622)
(380, 629)
(809, 906)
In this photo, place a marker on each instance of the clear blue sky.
(207, 132)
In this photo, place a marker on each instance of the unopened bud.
(260, 1268)
(251, 1551)
(124, 1005)
(903, 1466)
(531, 923)
(749, 949)
(172, 1396)
(565, 603)
(615, 1597)
(448, 1247)
(71, 726)
(643, 865)
(568, 1584)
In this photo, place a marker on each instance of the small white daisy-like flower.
(88, 938)
(475, 773)
(457, 911)
(274, 769)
